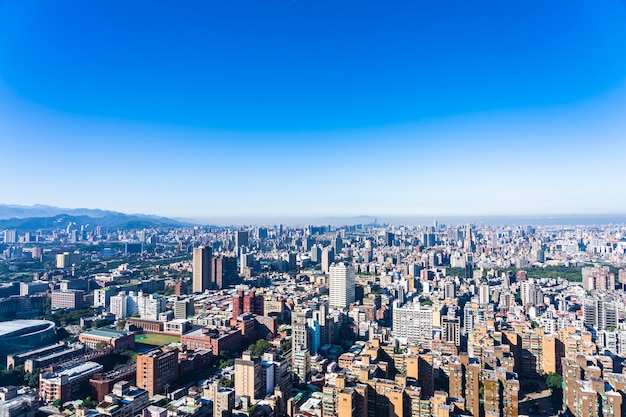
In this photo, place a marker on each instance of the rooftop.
(106, 332)
(21, 327)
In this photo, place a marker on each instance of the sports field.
(156, 339)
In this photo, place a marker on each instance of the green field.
(156, 339)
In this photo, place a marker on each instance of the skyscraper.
(202, 268)
(327, 258)
(341, 285)
(241, 238)
(467, 245)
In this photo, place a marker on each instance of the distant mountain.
(10, 211)
(46, 217)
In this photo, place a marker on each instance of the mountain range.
(44, 217)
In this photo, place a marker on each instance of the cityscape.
(313, 208)
(317, 320)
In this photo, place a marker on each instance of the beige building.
(248, 379)
(202, 260)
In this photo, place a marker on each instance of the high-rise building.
(451, 330)
(241, 238)
(10, 236)
(202, 260)
(337, 244)
(225, 271)
(468, 244)
(248, 381)
(469, 266)
(300, 329)
(156, 369)
(341, 285)
(389, 238)
(301, 364)
(415, 324)
(483, 294)
(598, 278)
(183, 308)
(316, 255)
(328, 257)
(449, 290)
(63, 260)
(223, 399)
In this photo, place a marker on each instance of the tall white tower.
(341, 285)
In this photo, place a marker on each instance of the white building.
(341, 285)
(413, 324)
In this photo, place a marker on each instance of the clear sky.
(249, 108)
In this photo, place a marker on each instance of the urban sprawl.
(314, 321)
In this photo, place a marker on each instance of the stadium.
(21, 335)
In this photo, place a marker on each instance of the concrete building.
(202, 263)
(223, 399)
(123, 401)
(415, 324)
(117, 339)
(16, 402)
(64, 384)
(241, 238)
(183, 309)
(156, 369)
(69, 300)
(341, 285)
(248, 380)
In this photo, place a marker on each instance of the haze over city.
(244, 110)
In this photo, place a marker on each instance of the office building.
(225, 271)
(241, 238)
(69, 300)
(183, 309)
(202, 262)
(328, 257)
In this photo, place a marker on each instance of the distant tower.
(341, 285)
(328, 257)
(241, 238)
(468, 239)
(469, 266)
(202, 260)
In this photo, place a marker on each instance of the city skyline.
(302, 109)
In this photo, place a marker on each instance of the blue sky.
(210, 109)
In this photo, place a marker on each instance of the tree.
(32, 379)
(285, 345)
(101, 344)
(62, 334)
(555, 385)
(89, 402)
(227, 382)
(56, 403)
(554, 381)
(259, 347)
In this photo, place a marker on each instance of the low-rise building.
(64, 384)
(117, 339)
